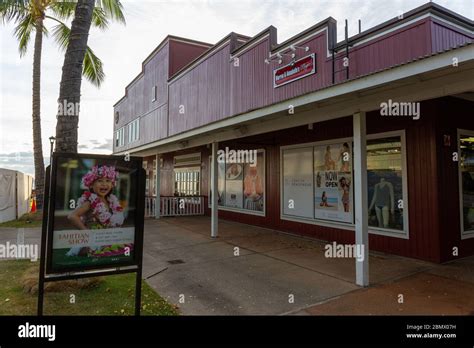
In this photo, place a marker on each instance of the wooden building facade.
(330, 162)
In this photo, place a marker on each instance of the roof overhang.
(426, 78)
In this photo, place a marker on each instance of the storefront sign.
(302, 67)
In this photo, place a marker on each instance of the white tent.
(15, 192)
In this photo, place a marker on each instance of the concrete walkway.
(274, 273)
(251, 270)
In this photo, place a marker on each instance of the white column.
(360, 198)
(157, 188)
(214, 187)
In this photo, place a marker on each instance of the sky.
(123, 48)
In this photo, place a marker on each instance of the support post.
(214, 196)
(44, 233)
(157, 188)
(360, 198)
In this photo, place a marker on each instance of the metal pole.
(214, 186)
(44, 231)
(138, 291)
(360, 198)
(347, 50)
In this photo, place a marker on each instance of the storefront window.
(297, 180)
(187, 181)
(317, 183)
(466, 170)
(241, 186)
(333, 182)
(385, 183)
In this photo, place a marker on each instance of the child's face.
(102, 186)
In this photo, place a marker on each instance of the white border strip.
(469, 233)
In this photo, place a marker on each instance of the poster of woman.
(95, 212)
(333, 177)
(254, 190)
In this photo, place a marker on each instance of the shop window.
(187, 181)
(317, 183)
(386, 184)
(333, 182)
(466, 182)
(297, 182)
(241, 185)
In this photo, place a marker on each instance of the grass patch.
(111, 295)
(26, 220)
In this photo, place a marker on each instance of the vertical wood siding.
(203, 94)
(217, 88)
(445, 36)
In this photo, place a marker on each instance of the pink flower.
(98, 172)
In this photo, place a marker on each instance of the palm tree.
(28, 17)
(76, 55)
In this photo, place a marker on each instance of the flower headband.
(100, 172)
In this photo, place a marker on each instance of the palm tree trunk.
(70, 88)
(36, 116)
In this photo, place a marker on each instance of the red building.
(369, 140)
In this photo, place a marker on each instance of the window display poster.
(233, 185)
(95, 213)
(333, 182)
(254, 189)
(298, 191)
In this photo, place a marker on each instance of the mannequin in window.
(383, 201)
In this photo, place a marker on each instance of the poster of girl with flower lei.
(97, 223)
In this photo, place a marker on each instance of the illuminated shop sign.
(301, 68)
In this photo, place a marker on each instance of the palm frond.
(99, 18)
(92, 67)
(60, 33)
(13, 10)
(23, 32)
(113, 9)
(63, 9)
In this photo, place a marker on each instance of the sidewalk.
(181, 259)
